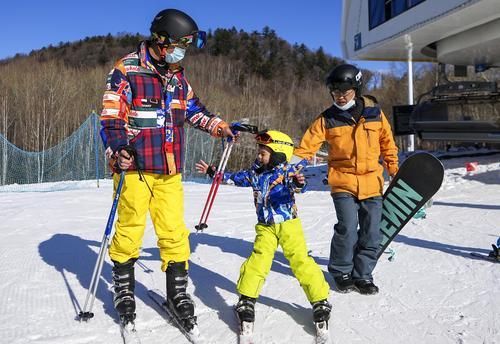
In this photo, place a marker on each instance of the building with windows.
(458, 32)
(454, 32)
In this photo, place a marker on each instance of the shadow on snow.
(71, 254)
(468, 205)
(461, 251)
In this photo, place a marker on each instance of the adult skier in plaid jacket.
(146, 103)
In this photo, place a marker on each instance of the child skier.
(274, 182)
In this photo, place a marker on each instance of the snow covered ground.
(433, 292)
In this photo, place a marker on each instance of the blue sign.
(357, 41)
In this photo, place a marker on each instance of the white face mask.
(347, 105)
(175, 56)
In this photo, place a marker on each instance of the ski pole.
(219, 175)
(219, 181)
(86, 314)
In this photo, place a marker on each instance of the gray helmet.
(173, 24)
(344, 77)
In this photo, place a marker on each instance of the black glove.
(248, 128)
(297, 183)
(129, 149)
(211, 171)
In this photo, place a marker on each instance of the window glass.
(381, 11)
(376, 12)
(415, 2)
(398, 6)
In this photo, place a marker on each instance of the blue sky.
(28, 25)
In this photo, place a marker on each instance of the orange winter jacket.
(354, 164)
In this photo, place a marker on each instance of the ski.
(245, 330)
(128, 332)
(192, 334)
(322, 333)
(489, 258)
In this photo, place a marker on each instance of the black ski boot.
(344, 283)
(177, 297)
(495, 253)
(246, 308)
(366, 287)
(321, 315)
(321, 311)
(124, 285)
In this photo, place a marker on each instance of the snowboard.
(418, 179)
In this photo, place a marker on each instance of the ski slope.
(433, 292)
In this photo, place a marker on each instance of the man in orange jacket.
(358, 134)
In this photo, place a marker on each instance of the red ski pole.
(219, 176)
(201, 225)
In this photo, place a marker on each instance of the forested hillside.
(46, 94)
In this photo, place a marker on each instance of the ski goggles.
(338, 93)
(264, 139)
(198, 39)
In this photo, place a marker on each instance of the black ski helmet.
(173, 24)
(344, 77)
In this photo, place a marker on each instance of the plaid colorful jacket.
(147, 111)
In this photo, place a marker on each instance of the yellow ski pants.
(290, 236)
(166, 209)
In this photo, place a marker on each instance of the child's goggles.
(264, 139)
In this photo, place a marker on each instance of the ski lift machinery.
(464, 111)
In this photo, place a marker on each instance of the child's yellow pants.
(290, 236)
